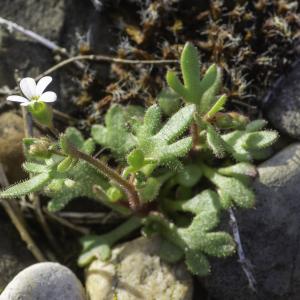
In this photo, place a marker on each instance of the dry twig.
(245, 263)
(33, 35)
(66, 223)
(105, 58)
(12, 209)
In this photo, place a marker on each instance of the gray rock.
(270, 235)
(14, 256)
(283, 105)
(136, 272)
(44, 281)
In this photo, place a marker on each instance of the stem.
(103, 199)
(104, 58)
(207, 171)
(174, 205)
(195, 135)
(66, 223)
(122, 230)
(28, 131)
(167, 229)
(111, 174)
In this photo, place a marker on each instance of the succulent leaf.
(31, 185)
(116, 135)
(232, 187)
(164, 146)
(168, 101)
(215, 142)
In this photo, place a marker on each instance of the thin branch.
(91, 217)
(35, 36)
(28, 131)
(245, 263)
(111, 174)
(66, 223)
(105, 58)
(14, 212)
(195, 136)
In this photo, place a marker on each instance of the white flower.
(34, 91)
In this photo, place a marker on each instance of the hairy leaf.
(116, 134)
(33, 184)
(164, 147)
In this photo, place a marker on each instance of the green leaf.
(99, 246)
(209, 87)
(225, 199)
(242, 168)
(215, 142)
(245, 146)
(149, 190)
(219, 105)
(152, 123)
(31, 185)
(256, 125)
(74, 137)
(115, 135)
(189, 176)
(219, 244)
(114, 194)
(203, 204)
(85, 178)
(168, 101)
(242, 195)
(260, 139)
(177, 124)
(136, 159)
(35, 168)
(197, 263)
(94, 247)
(190, 67)
(169, 252)
(164, 147)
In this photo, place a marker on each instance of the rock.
(283, 105)
(136, 272)
(44, 281)
(270, 236)
(14, 256)
(11, 152)
(17, 50)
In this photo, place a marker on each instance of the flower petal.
(16, 98)
(26, 103)
(28, 87)
(48, 97)
(42, 84)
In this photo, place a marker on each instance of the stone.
(14, 255)
(44, 281)
(135, 272)
(270, 235)
(45, 18)
(11, 151)
(283, 105)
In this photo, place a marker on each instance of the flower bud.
(41, 112)
(232, 120)
(40, 148)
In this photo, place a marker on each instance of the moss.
(253, 41)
